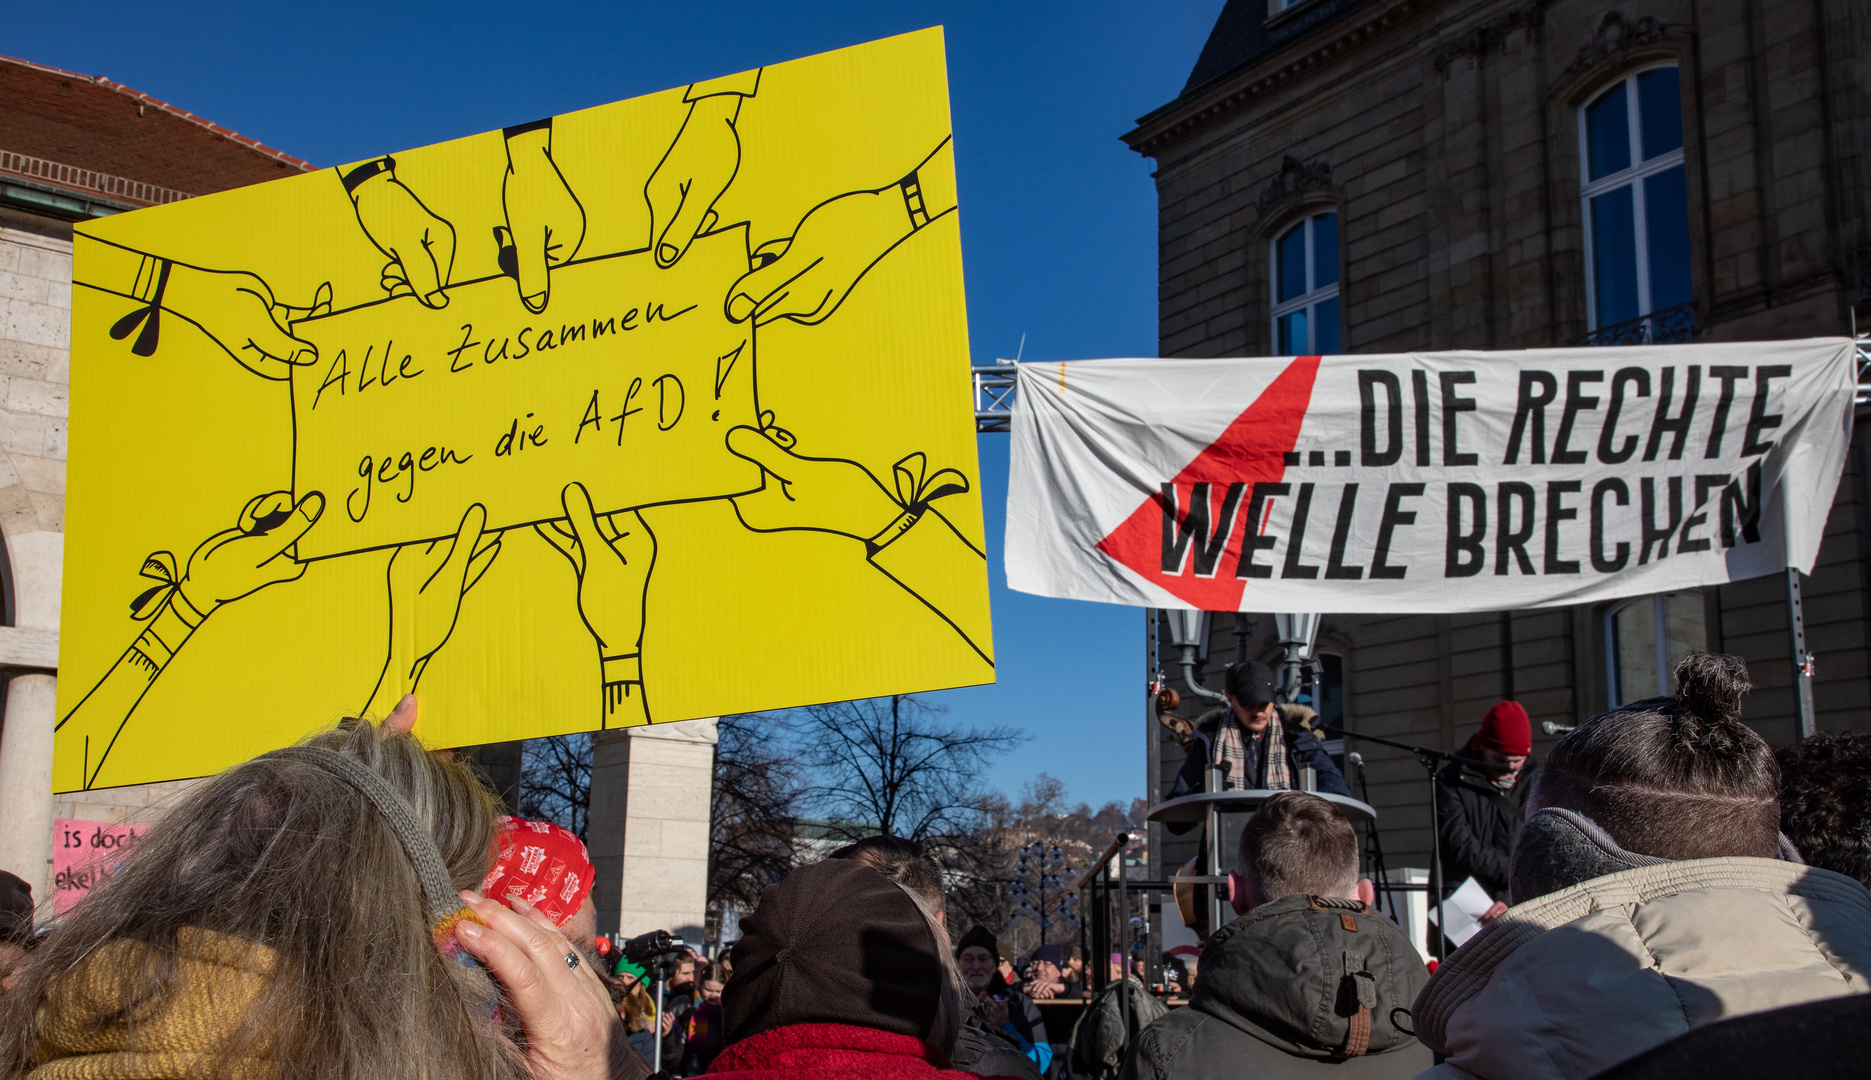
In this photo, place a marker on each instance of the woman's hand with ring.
(572, 1032)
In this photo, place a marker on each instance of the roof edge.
(1167, 124)
(182, 114)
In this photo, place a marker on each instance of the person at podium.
(1258, 743)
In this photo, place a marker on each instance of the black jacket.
(1277, 994)
(988, 1051)
(1478, 824)
(1302, 748)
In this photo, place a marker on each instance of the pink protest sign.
(84, 853)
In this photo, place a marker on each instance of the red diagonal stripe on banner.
(1252, 450)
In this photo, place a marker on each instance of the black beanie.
(982, 937)
(835, 943)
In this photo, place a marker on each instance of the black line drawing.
(804, 276)
(612, 555)
(235, 309)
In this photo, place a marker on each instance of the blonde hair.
(284, 854)
(945, 1029)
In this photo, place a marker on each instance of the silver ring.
(571, 961)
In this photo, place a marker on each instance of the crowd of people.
(1672, 899)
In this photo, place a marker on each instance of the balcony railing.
(1665, 326)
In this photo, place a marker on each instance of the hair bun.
(1711, 686)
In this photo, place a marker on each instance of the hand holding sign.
(256, 553)
(806, 276)
(545, 223)
(824, 494)
(238, 311)
(421, 246)
(612, 557)
(427, 581)
(696, 169)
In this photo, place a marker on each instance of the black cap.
(834, 943)
(1252, 681)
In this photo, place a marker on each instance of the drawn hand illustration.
(420, 245)
(230, 565)
(256, 553)
(806, 276)
(903, 535)
(427, 582)
(698, 166)
(545, 221)
(612, 556)
(822, 494)
(237, 310)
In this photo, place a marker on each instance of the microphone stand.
(1430, 759)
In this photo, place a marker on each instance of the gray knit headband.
(438, 889)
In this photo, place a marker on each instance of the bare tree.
(555, 781)
(753, 811)
(896, 766)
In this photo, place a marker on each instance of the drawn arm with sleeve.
(903, 536)
(234, 563)
(235, 309)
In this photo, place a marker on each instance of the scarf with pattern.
(1231, 742)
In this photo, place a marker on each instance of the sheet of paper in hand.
(628, 385)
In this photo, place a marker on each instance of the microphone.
(1355, 759)
(1555, 729)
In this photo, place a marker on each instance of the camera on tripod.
(657, 953)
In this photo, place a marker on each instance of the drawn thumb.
(530, 253)
(752, 290)
(583, 519)
(754, 445)
(268, 338)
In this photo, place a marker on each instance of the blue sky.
(1058, 217)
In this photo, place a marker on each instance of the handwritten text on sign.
(627, 384)
(84, 853)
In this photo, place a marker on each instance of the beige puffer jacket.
(1571, 983)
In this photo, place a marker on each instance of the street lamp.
(1188, 632)
(1297, 633)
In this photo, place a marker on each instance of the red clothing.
(830, 1052)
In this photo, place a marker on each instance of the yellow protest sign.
(646, 412)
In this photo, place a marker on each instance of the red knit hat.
(542, 864)
(1506, 730)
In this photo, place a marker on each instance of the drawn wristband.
(368, 169)
(912, 189)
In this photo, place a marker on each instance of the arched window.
(1636, 207)
(1646, 638)
(1305, 288)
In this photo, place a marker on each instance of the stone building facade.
(1396, 175)
(72, 147)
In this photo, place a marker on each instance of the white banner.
(1424, 482)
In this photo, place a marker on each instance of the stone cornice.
(1201, 106)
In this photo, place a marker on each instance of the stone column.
(651, 789)
(26, 781)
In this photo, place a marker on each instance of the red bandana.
(542, 864)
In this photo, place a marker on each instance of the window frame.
(1308, 300)
(1659, 622)
(1631, 176)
